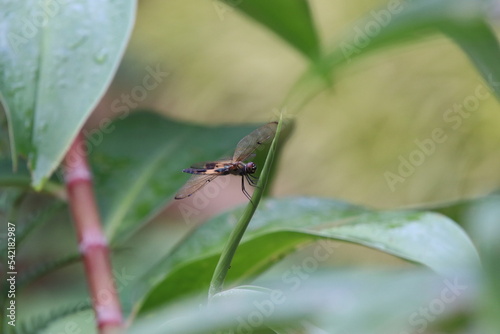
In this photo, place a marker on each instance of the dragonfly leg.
(244, 190)
(252, 180)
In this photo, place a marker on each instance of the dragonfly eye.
(251, 168)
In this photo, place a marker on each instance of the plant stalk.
(220, 273)
(24, 181)
(91, 239)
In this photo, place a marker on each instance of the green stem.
(24, 181)
(92, 242)
(307, 87)
(220, 273)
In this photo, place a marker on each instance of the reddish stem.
(92, 242)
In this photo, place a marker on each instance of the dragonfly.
(206, 172)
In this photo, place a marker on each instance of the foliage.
(51, 80)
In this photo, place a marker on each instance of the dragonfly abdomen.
(206, 171)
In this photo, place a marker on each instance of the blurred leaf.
(479, 216)
(138, 166)
(25, 226)
(280, 226)
(56, 61)
(9, 178)
(37, 220)
(30, 275)
(465, 21)
(325, 302)
(289, 19)
(41, 322)
(11, 196)
(484, 222)
(479, 42)
(459, 211)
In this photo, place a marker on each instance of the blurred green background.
(225, 68)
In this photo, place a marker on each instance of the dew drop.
(101, 56)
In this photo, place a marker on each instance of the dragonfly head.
(250, 168)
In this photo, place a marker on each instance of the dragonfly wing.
(212, 164)
(195, 183)
(251, 142)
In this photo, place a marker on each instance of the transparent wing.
(212, 164)
(195, 183)
(250, 143)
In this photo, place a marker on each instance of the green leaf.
(9, 178)
(479, 216)
(465, 21)
(41, 322)
(39, 270)
(280, 226)
(479, 42)
(337, 301)
(482, 218)
(289, 19)
(138, 166)
(56, 61)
